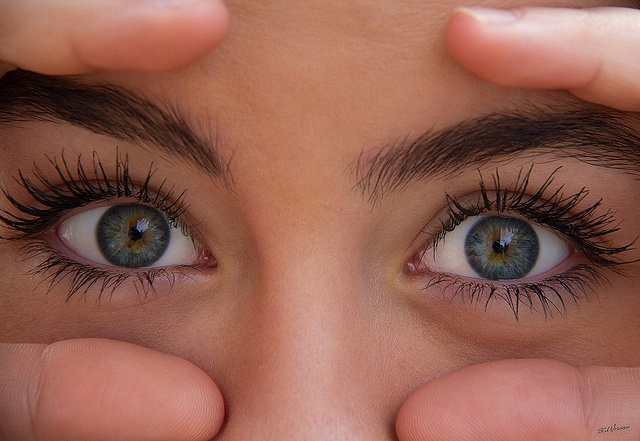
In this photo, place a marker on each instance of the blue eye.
(493, 247)
(131, 235)
(501, 248)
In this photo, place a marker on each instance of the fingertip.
(459, 33)
(104, 389)
(200, 401)
(161, 39)
(470, 40)
(528, 47)
(499, 401)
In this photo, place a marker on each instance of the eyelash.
(584, 230)
(78, 188)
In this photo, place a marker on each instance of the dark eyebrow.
(599, 137)
(107, 110)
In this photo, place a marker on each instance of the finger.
(524, 400)
(78, 36)
(593, 53)
(93, 389)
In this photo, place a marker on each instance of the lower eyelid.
(548, 296)
(420, 271)
(78, 277)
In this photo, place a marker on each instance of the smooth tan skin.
(309, 327)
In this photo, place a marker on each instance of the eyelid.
(67, 187)
(589, 229)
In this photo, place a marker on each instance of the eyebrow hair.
(598, 137)
(108, 110)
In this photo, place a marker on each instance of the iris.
(501, 248)
(133, 235)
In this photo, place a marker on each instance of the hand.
(95, 389)
(593, 53)
(79, 36)
(99, 389)
(525, 400)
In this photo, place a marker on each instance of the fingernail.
(491, 15)
(173, 4)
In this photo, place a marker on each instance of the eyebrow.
(598, 137)
(108, 110)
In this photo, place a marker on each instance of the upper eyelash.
(584, 229)
(79, 187)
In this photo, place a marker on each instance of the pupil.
(500, 247)
(135, 234)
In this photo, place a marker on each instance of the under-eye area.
(535, 248)
(94, 227)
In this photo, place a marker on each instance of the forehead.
(333, 76)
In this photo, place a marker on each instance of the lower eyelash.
(80, 186)
(545, 296)
(56, 268)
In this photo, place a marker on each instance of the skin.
(308, 326)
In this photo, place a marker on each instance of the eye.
(495, 248)
(129, 235)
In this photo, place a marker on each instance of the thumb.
(524, 400)
(94, 389)
(593, 53)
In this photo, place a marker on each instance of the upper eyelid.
(585, 228)
(66, 187)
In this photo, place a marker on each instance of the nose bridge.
(304, 377)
